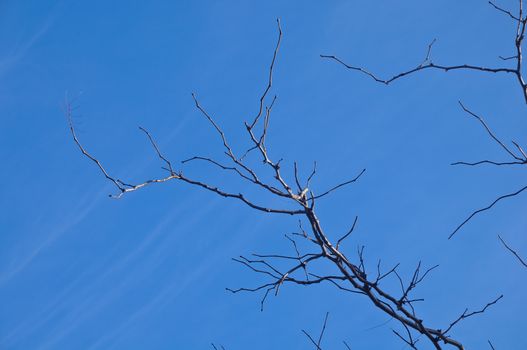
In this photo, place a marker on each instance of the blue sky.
(81, 271)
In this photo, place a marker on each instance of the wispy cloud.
(176, 288)
(17, 53)
(88, 202)
(70, 294)
(86, 205)
(150, 251)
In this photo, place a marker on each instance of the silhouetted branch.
(516, 71)
(491, 346)
(348, 233)
(500, 198)
(410, 341)
(428, 64)
(504, 11)
(467, 314)
(157, 150)
(317, 343)
(519, 159)
(523, 262)
(339, 185)
(299, 268)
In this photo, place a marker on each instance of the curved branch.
(487, 208)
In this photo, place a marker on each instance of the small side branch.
(500, 198)
(215, 347)
(523, 262)
(466, 314)
(427, 63)
(69, 116)
(508, 13)
(519, 159)
(490, 344)
(420, 67)
(317, 343)
(339, 185)
(159, 154)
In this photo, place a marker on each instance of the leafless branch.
(69, 115)
(516, 71)
(428, 64)
(339, 185)
(299, 268)
(317, 343)
(420, 67)
(523, 262)
(500, 198)
(491, 346)
(348, 233)
(409, 340)
(519, 160)
(504, 11)
(169, 165)
(467, 314)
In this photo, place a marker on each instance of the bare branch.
(348, 233)
(323, 330)
(523, 262)
(467, 314)
(504, 11)
(491, 134)
(409, 341)
(486, 161)
(157, 150)
(69, 115)
(420, 67)
(509, 195)
(317, 343)
(340, 185)
(508, 58)
(491, 346)
(428, 64)
(270, 79)
(279, 270)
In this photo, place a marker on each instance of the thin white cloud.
(177, 287)
(92, 304)
(9, 61)
(87, 204)
(90, 200)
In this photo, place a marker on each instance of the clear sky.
(81, 271)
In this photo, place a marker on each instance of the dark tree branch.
(523, 262)
(409, 340)
(516, 71)
(504, 11)
(157, 150)
(420, 67)
(467, 314)
(500, 198)
(348, 233)
(491, 346)
(317, 343)
(428, 64)
(346, 274)
(339, 186)
(520, 160)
